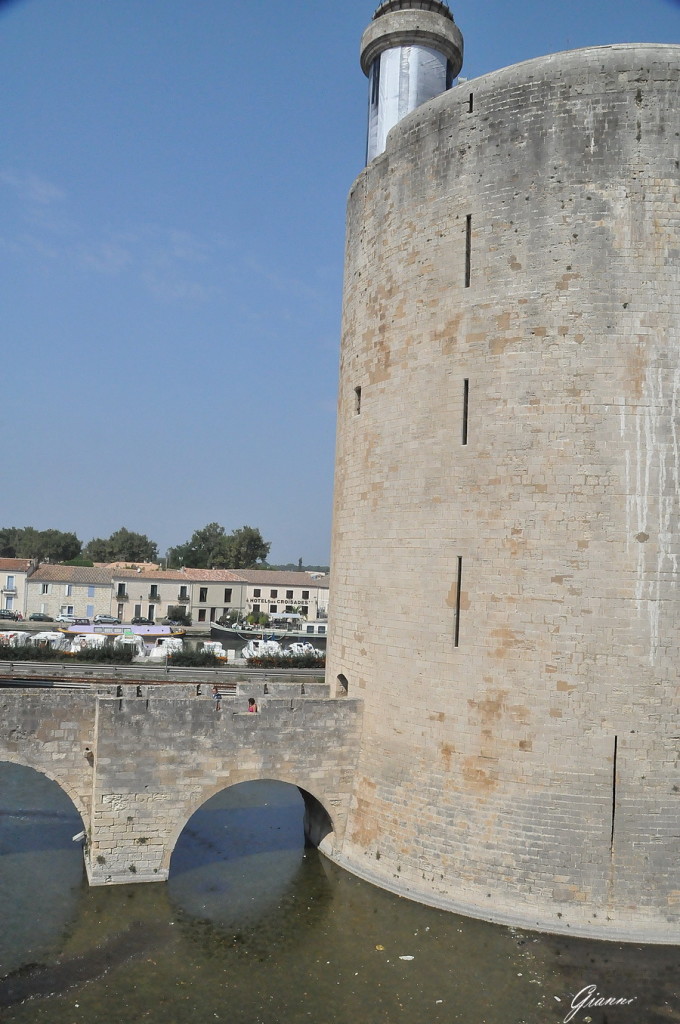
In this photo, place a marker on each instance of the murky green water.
(253, 929)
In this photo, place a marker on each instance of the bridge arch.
(61, 780)
(317, 821)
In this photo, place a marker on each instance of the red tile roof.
(46, 573)
(15, 564)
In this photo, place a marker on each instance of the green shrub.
(108, 654)
(281, 661)
(194, 659)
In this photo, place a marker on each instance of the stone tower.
(506, 536)
(411, 52)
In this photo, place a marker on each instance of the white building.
(13, 575)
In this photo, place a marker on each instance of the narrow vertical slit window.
(357, 400)
(616, 745)
(466, 406)
(471, 103)
(468, 250)
(456, 625)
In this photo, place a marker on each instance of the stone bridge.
(137, 761)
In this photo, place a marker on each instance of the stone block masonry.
(137, 768)
(506, 533)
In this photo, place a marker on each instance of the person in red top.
(252, 706)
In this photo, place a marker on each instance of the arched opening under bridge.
(242, 853)
(42, 877)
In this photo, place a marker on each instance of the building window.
(201, 615)
(272, 609)
(466, 405)
(68, 590)
(227, 595)
(273, 593)
(357, 400)
(203, 594)
(90, 591)
(183, 594)
(289, 609)
(121, 590)
(10, 583)
(256, 609)
(153, 595)
(375, 82)
(305, 595)
(257, 592)
(289, 595)
(304, 610)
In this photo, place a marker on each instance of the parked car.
(7, 613)
(139, 620)
(40, 617)
(106, 620)
(64, 617)
(80, 622)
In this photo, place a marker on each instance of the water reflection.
(252, 928)
(41, 868)
(239, 853)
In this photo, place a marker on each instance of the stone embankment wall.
(507, 522)
(137, 767)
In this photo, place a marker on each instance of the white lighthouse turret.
(411, 52)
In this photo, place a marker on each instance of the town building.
(274, 593)
(80, 591)
(143, 591)
(14, 573)
(213, 593)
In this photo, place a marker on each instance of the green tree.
(8, 542)
(213, 548)
(57, 546)
(122, 546)
(205, 550)
(27, 542)
(246, 547)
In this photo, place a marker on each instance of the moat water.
(251, 928)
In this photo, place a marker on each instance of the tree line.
(208, 548)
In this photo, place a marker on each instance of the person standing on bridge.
(217, 697)
(252, 706)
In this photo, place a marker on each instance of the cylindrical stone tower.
(411, 52)
(506, 538)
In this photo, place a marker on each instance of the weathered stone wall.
(506, 527)
(138, 767)
(54, 733)
(159, 760)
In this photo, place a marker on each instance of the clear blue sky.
(173, 178)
